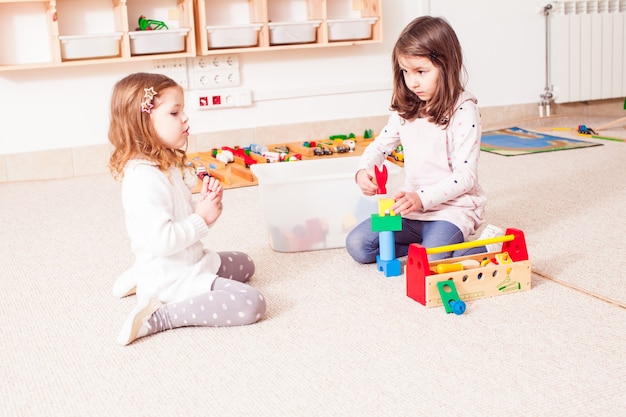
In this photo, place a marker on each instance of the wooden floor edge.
(581, 290)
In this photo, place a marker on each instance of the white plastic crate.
(143, 42)
(282, 33)
(350, 29)
(233, 36)
(313, 204)
(90, 46)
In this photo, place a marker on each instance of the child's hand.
(406, 202)
(210, 205)
(366, 181)
(210, 185)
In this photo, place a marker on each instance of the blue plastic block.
(391, 268)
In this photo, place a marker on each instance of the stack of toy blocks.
(385, 223)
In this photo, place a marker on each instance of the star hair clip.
(146, 106)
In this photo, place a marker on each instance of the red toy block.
(416, 271)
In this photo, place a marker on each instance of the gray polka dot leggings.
(230, 302)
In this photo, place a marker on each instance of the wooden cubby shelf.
(263, 25)
(60, 33)
(77, 32)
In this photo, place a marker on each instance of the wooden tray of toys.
(231, 165)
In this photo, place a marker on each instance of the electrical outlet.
(200, 63)
(215, 79)
(225, 61)
(230, 60)
(218, 99)
(213, 72)
(214, 62)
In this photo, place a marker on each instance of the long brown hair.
(433, 38)
(130, 130)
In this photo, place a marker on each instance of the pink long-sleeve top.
(441, 164)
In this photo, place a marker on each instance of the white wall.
(503, 41)
(504, 47)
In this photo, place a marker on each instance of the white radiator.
(588, 50)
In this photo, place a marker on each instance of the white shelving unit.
(260, 25)
(76, 32)
(57, 33)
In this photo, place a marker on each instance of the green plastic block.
(386, 223)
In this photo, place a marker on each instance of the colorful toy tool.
(450, 298)
(381, 179)
(472, 276)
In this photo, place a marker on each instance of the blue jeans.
(362, 242)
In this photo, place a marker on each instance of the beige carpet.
(339, 339)
(570, 204)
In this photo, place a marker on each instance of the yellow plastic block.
(384, 207)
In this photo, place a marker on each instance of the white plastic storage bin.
(313, 204)
(350, 29)
(90, 46)
(233, 36)
(282, 33)
(143, 42)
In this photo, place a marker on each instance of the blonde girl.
(177, 280)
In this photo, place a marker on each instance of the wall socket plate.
(214, 62)
(218, 99)
(214, 72)
(202, 72)
(213, 79)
